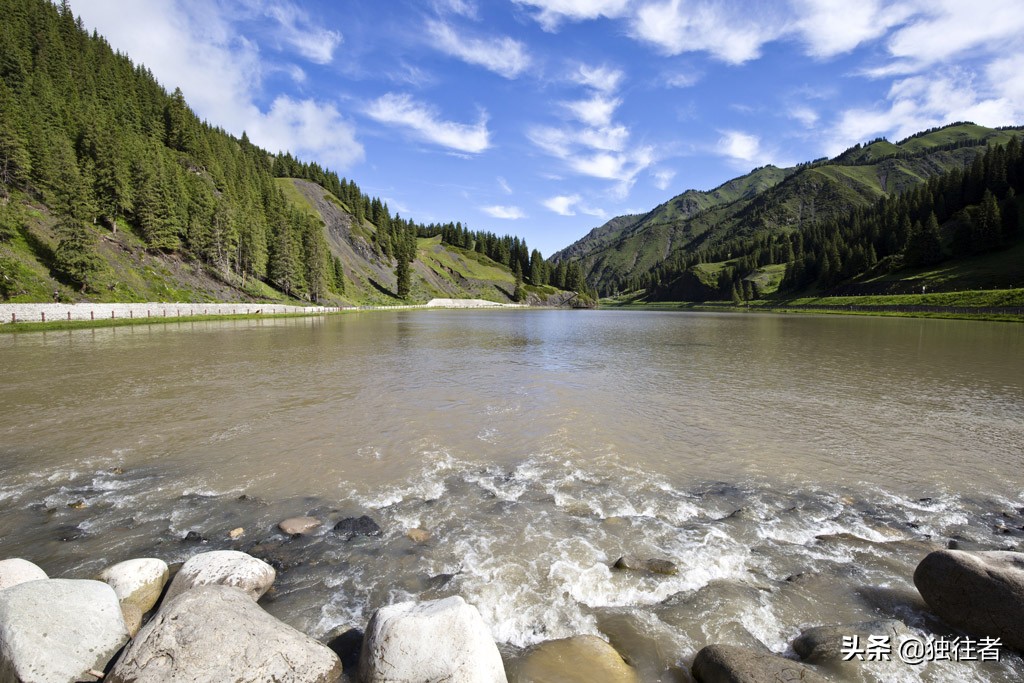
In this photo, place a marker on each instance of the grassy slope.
(129, 273)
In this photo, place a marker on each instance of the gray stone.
(654, 565)
(822, 644)
(350, 527)
(580, 659)
(217, 633)
(294, 526)
(17, 570)
(138, 582)
(730, 664)
(57, 630)
(442, 640)
(980, 593)
(224, 568)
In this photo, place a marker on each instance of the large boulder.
(57, 630)
(217, 633)
(822, 644)
(17, 570)
(224, 568)
(731, 664)
(137, 582)
(442, 640)
(580, 659)
(980, 593)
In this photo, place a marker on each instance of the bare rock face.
(981, 593)
(57, 630)
(217, 633)
(17, 570)
(730, 664)
(223, 568)
(580, 659)
(442, 640)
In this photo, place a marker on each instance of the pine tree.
(403, 276)
(339, 276)
(518, 294)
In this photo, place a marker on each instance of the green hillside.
(111, 189)
(771, 201)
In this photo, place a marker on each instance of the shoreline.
(43, 317)
(954, 313)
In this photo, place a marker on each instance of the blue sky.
(544, 118)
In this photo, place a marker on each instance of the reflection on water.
(795, 468)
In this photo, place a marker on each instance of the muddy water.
(795, 468)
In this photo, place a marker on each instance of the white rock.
(217, 633)
(17, 570)
(299, 525)
(443, 640)
(223, 568)
(137, 582)
(56, 631)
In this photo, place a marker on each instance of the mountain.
(111, 189)
(627, 254)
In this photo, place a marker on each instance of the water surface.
(536, 447)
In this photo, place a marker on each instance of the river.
(795, 468)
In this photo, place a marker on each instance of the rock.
(236, 533)
(137, 582)
(17, 570)
(441, 640)
(132, 617)
(731, 664)
(217, 633)
(346, 643)
(194, 537)
(294, 526)
(357, 526)
(57, 630)
(224, 568)
(418, 535)
(654, 565)
(580, 659)
(980, 593)
(824, 643)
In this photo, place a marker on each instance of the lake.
(795, 468)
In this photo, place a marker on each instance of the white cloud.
(504, 56)
(309, 130)
(506, 212)
(733, 34)
(594, 111)
(562, 204)
(947, 28)
(503, 184)
(601, 78)
(663, 178)
(832, 27)
(682, 79)
(221, 75)
(567, 205)
(403, 110)
(744, 150)
(551, 13)
(804, 114)
(315, 43)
